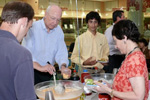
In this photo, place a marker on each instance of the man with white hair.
(45, 41)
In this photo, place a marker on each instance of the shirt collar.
(90, 34)
(7, 34)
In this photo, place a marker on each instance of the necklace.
(132, 50)
(127, 55)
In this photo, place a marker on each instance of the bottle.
(75, 76)
(96, 70)
(85, 73)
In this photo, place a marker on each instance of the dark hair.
(126, 28)
(117, 13)
(144, 41)
(15, 10)
(93, 15)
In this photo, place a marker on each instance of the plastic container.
(104, 77)
(75, 76)
(66, 74)
(85, 73)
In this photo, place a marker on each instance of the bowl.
(108, 77)
(103, 77)
(73, 89)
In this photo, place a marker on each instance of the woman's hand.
(102, 88)
(108, 84)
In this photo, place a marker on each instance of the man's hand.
(47, 68)
(66, 72)
(90, 61)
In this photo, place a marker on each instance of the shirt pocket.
(100, 48)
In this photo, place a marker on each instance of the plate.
(91, 87)
(102, 61)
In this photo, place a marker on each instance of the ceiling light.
(64, 13)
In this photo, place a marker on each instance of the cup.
(66, 74)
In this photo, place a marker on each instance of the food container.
(106, 78)
(101, 76)
(73, 89)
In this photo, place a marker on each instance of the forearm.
(138, 93)
(76, 59)
(127, 95)
(63, 66)
(37, 66)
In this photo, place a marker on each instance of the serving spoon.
(59, 88)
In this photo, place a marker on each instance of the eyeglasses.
(54, 19)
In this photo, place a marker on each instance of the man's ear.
(23, 21)
(46, 14)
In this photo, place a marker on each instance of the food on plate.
(89, 81)
(100, 81)
(103, 59)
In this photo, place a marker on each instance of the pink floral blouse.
(133, 66)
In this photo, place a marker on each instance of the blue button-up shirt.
(46, 46)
